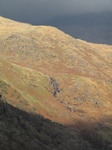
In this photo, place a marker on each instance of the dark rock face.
(0, 95)
(55, 86)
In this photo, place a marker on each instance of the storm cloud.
(30, 10)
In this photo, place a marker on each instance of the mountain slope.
(46, 71)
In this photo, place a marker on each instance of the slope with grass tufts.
(67, 80)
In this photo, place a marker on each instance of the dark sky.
(41, 10)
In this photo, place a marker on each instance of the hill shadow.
(98, 134)
(20, 130)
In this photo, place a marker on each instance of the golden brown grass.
(30, 55)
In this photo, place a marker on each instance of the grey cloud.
(29, 10)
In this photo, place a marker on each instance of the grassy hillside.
(45, 71)
(29, 90)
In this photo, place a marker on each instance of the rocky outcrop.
(55, 86)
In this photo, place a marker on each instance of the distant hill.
(47, 72)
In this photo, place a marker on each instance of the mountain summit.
(45, 71)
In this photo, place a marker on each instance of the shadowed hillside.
(47, 72)
(20, 130)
